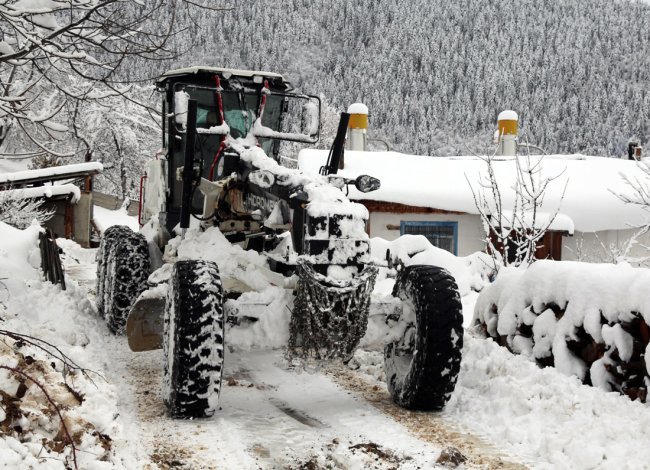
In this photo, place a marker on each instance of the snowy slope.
(66, 320)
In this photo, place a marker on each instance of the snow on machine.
(222, 131)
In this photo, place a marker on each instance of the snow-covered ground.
(104, 218)
(504, 413)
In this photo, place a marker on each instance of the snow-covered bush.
(588, 320)
(514, 233)
(20, 212)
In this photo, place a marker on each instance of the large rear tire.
(422, 367)
(110, 235)
(193, 341)
(125, 269)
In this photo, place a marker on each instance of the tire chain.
(110, 235)
(329, 317)
(126, 273)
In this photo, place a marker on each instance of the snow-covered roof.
(54, 172)
(43, 191)
(555, 221)
(444, 183)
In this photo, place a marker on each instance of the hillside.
(435, 74)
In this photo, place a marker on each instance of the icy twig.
(56, 408)
(52, 351)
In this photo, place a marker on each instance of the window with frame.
(444, 235)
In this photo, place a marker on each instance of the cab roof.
(224, 73)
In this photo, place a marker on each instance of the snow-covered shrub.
(470, 272)
(588, 320)
(20, 212)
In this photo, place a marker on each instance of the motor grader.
(223, 132)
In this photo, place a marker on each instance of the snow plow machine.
(222, 131)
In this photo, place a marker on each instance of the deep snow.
(274, 418)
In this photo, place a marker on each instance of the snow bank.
(549, 420)
(470, 272)
(20, 256)
(551, 308)
(32, 434)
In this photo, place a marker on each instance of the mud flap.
(144, 326)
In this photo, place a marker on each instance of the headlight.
(262, 178)
(366, 183)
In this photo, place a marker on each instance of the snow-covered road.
(271, 417)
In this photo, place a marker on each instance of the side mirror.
(366, 183)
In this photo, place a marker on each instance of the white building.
(433, 196)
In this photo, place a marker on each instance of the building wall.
(470, 230)
(592, 247)
(57, 222)
(83, 214)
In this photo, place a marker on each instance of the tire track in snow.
(319, 421)
(264, 423)
(183, 445)
(430, 427)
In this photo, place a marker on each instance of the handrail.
(141, 201)
(50, 260)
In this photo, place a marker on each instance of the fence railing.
(50, 260)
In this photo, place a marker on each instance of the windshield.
(240, 111)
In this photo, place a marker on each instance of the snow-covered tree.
(121, 134)
(56, 53)
(513, 231)
(21, 212)
(436, 74)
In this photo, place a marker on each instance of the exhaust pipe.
(507, 133)
(358, 127)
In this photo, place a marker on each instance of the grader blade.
(144, 327)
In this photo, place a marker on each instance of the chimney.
(357, 127)
(507, 133)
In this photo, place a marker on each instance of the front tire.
(193, 341)
(422, 367)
